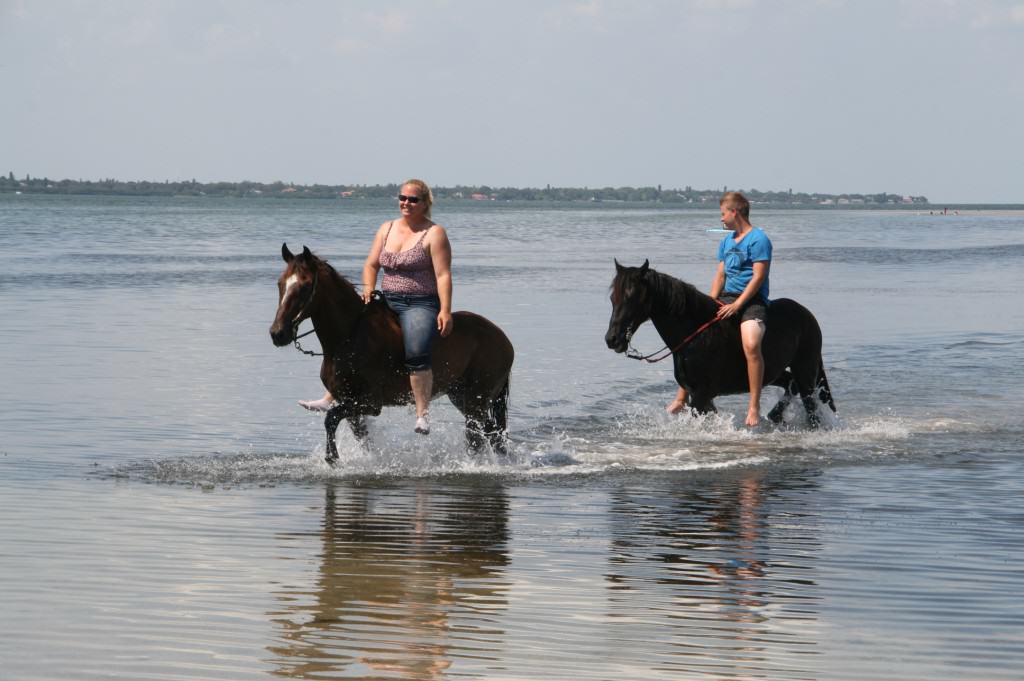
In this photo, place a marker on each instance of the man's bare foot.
(322, 404)
(675, 406)
(753, 417)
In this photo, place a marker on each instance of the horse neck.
(678, 309)
(336, 310)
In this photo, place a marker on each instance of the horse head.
(631, 304)
(296, 289)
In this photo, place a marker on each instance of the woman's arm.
(441, 256)
(372, 265)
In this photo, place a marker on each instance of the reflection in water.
(706, 567)
(409, 579)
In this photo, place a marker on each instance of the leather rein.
(633, 353)
(297, 319)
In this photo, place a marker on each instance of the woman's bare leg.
(422, 383)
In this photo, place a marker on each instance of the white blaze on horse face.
(290, 284)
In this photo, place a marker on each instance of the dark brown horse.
(364, 359)
(712, 363)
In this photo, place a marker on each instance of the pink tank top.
(410, 271)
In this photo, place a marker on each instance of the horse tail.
(824, 392)
(499, 407)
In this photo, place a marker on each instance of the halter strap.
(633, 354)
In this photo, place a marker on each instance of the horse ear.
(645, 266)
(618, 267)
(285, 253)
(306, 255)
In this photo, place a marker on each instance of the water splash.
(644, 439)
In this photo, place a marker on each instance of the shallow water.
(165, 511)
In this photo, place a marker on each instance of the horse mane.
(679, 296)
(683, 300)
(337, 277)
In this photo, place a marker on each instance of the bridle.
(651, 358)
(301, 314)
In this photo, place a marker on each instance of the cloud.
(367, 29)
(592, 15)
(392, 23)
(224, 38)
(727, 5)
(592, 9)
(992, 17)
(975, 14)
(346, 45)
(138, 32)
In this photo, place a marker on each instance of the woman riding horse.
(417, 257)
(364, 365)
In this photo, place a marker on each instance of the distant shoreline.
(954, 209)
(687, 196)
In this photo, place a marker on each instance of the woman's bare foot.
(323, 404)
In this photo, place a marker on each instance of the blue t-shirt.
(739, 259)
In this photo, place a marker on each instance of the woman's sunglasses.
(410, 199)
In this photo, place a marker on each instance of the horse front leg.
(787, 382)
(476, 429)
(497, 437)
(701, 404)
(775, 415)
(331, 420)
(358, 425)
(811, 407)
(788, 386)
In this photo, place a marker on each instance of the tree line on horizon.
(288, 190)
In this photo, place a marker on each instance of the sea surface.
(166, 513)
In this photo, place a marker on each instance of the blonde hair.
(426, 196)
(736, 201)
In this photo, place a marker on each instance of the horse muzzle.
(618, 341)
(282, 334)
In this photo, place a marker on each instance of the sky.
(914, 97)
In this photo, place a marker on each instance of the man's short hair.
(736, 201)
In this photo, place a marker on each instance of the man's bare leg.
(751, 332)
(678, 403)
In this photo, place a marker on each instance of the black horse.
(712, 362)
(363, 363)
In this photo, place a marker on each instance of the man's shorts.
(755, 309)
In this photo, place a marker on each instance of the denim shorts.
(755, 308)
(418, 316)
